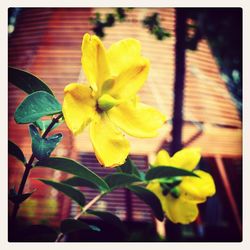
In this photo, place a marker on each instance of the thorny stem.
(85, 208)
(28, 167)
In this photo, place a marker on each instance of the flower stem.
(28, 167)
(138, 183)
(85, 208)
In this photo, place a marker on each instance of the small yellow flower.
(180, 202)
(108, 100)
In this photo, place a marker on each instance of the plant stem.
(85, 208)
(138, 183)
(28, 167)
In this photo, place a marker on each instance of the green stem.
(85, 208)
(138, 183)
(28, 167)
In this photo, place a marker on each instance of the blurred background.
(195, 79)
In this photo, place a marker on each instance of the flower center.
(106, 102)
(170, 185)
(175, 192)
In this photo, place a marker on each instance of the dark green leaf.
(43, 147)
(79, 182)
(27, 81)
(75, 168)
(19, 198)
(12, 192)
(14, 150)
(116, 180)
(68, 190)
(43, 124)
(129, 168)
(95, 228)
(142, 175)
(149, 198)
(35, 106)
(108, 217)
(71, 225)
(167, 172)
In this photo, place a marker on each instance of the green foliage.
(14, 150)
(72, 225)
(223, 30)
(75, 168)
(68, 190)
(167, 172)
(26, 81)
(153, 24)
(80, 182)
(149, 198)
(18, 198)
(118, 180)
(43, 147)
(43, 124)
(35, 106)
(109, 20)
(121, 14)
(129, 167)
(108, 218)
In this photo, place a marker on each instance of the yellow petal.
(111, 147)
(180, 211)
(94, 61)
(197, 189)
(122, 54)
(131, 79)
(155, 187)
(78, 106)
(162, 158)
(176, 209)
(138, 120)
(187, 158)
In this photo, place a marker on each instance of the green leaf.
(19, 198)
(75, 168)
(129, 167)
(108, 217)
(43, 124)
(14, 150)
(26, 81)
(35, 106)
(149, 198)
(43, 147)
(12, 192)
(71, 225)
(117, 180)
(68, 190)
(167, 172)
(79, 182)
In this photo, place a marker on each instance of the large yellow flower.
(180, 202)
(108, 100)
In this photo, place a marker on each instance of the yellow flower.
(108, 101)
(180, 202)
